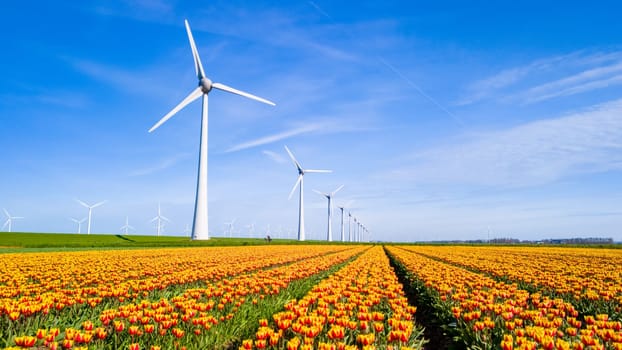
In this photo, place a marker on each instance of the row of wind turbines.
(200, 231)
(200, 219)
(158, 219)
(359, 230)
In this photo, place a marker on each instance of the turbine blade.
(318, 171)
(165, 218)
(242, 93)
(83, 204)
(196, 93)
(7, 213)
(294, 188)
(154, 219)
(337, 190)
(98, 204)
(321, 193)
(6, 223)
(291, 155)
(198, 67)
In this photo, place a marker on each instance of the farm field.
(21, 241)
(313, 297)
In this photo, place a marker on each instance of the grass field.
(16, 241)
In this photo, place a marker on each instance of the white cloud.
(535, 153)
(275, 137)
(553, 77)
(162, 165)
(274, 156)
(558, 90)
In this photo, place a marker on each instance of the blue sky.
(443, 120)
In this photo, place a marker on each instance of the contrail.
(397, 72)
(419, 90)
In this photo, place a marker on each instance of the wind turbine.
(90, 208)
(329, 196)
(160, 218)
(79, 222)
(9, 220)
(342, 208)
(251, 230)
(349, 227)
(230, 227)
(300, 181)
(199, 224)
(127, 227)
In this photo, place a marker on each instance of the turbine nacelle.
(205, 84)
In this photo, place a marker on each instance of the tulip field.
(313, 297)
(520, 297)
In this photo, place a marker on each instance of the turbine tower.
(127, 227)
(90, 208)
(79, 222)
(342, 223)
(349, 227)
(329, 196)
(199, 223)
(160, 218)
(300, 181)
(9, 220)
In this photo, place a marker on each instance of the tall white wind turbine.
(90, 208)
(127, 227)
(300, 181)
(329, 196)
(159, 218)
(9, 220)
(79, 222)
(200, 224)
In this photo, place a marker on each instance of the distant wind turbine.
(90, 208)
(160, 218)
(9, 220)
(342, 208)
(329, 196)
(200, 222)
(230, 226)
(300, 181)
(79, 222)
(251, 230)
(127, 227)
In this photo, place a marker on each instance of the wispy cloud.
(148, 82)
(532, 154)
(274, 156)
(276, 137)
(162, 165)
(548, 78)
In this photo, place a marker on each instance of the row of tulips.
(490, 314)
(43, 283)
(586, 276)
(362, 306)
(186, 317)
